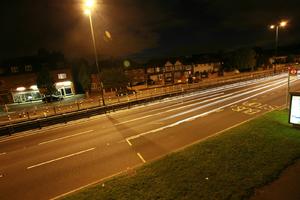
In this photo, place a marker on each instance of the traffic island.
(230, 165)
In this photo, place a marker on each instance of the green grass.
(228, 166)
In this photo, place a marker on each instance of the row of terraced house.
(172, 71)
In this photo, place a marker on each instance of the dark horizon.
(142, 29)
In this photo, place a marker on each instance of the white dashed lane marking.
(63, 157)
(66, 137)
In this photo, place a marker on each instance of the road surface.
(47, 163)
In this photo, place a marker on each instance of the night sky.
(144, 28)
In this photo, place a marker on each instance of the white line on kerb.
(57, 159)
(69, 136)
(141, 157)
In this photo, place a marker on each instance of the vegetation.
(84, 77)
(228, 166)
(241, 59)
(45, 82)
(114, 77)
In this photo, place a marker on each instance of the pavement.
(47, 163)
(286, 187)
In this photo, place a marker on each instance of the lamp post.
(89, 4)
(282, 24)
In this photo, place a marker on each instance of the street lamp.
(282, 24)
(88, 8)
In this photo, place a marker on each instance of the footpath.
(286, 187)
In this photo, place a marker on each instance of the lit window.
(62, 76)
(20, 89)
(65, 83)
(28, 68)
(14, 69)
(34, 87)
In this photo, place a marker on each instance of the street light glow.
(272, 26)
(89, 3)
(87, 11)
(283, 23)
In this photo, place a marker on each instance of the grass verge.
(228, 166)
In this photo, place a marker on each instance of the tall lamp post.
(89, 5)
(282, 24)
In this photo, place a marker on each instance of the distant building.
(208, 67)
(179, 70)
(18, 80)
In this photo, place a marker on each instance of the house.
(208, 67)
(18, 80)
(170, 70)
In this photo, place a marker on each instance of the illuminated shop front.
(65, 88)
(22, 94)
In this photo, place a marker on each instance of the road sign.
(293, 71)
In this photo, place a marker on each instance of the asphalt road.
(47, 163)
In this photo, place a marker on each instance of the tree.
(114, 77)
(241, 59)
(45, 82)
(290, 58)
(84, 77)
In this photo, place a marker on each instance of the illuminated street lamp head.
(89, 4)
(283, 23)
(272, 26)
(88, 7)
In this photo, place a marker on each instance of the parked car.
(124, 91)
(51, 98)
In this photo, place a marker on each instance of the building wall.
(209, 67)
(21, 87)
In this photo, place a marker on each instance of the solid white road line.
(181, 107)
(66, 137)
(207, 91)
(63, 157)
(205, 101)
(201, 115)
(202, 102)
(239, 94)
(141, 157)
